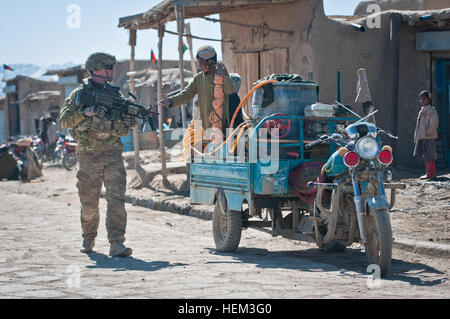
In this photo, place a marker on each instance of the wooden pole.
(179, 12)
(195, 112)
(200, 38)
(133, 91)
(394, 75)
(191, 48)
(160, 107)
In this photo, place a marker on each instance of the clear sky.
(36, 31)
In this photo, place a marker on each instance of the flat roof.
(68, 71)
(165, 11)
(41, 95)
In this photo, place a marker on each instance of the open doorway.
(442, 102)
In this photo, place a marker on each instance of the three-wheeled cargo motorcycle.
(302, 170)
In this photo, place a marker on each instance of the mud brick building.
(404, 47)
(2, 119)
(27, 100)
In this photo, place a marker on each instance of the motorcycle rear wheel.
(69, 161)
(379, 240)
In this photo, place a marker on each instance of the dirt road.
(174, 257)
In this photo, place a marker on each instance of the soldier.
(98, 131)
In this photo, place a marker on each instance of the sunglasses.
(109, 67)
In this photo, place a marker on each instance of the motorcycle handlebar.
(309, 145)
(388, 134)
(322, 139)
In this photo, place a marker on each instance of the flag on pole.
(153, 58)
(185, 47)
(7, 67)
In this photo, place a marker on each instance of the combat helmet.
(98, 60)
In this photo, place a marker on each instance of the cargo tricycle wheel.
(227, 228)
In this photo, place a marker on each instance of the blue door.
(442, 102)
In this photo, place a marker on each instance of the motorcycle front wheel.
(69, 161)
(379, 240)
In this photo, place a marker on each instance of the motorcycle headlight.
(367, 147)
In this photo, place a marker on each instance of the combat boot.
(88, 246)
(118, 249)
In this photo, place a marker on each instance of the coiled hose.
(193, 136)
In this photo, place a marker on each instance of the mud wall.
(344, 48)
(323, 46)
(296, 17)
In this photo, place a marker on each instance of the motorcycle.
(59, 149)
(70, 156)
(38, 146)
(351, 204)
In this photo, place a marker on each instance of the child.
(426, 134)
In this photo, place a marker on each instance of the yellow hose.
(193, 136)
(247, 96)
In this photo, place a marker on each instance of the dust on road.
(174, 257)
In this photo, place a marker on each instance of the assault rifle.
(110, 97)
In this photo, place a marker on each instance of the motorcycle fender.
(378, 202)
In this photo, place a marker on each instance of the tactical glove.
(98, 111)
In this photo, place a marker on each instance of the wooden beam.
(394, 59)
(162, 146)
(191, 48)
(132, 43)
(179, 11)
(253, 26)
(199, 38)
(195, 111)
(164, 12)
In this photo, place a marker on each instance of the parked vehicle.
(59, 149)
(38, 146)
(70, 159)
(351, 203)
(283, 196)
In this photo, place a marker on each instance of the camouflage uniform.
(99, 154)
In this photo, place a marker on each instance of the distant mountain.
(31, 70)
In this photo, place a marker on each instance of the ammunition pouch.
(100, 128)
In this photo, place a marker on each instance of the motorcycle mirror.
(346, 108)
(132, 95)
